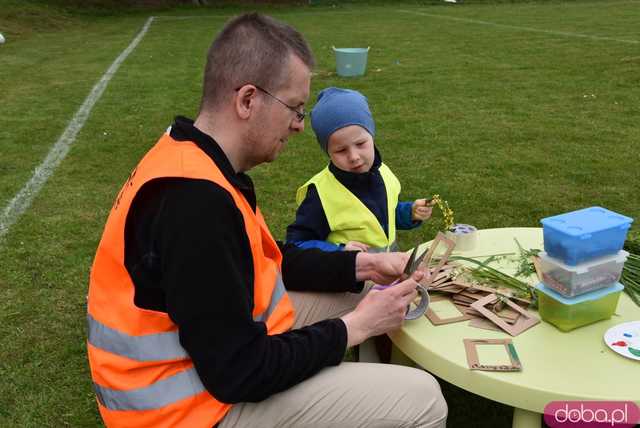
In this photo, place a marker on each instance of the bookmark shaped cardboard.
(524, 322)
(431, 273)
(438, 318)
(475, 364)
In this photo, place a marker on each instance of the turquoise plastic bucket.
(351, 61)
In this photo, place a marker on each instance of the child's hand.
(355, 246)
(421, 210)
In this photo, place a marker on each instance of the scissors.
(413, 262)
(409, 269)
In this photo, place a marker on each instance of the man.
(190, 324)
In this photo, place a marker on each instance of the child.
(352, 204)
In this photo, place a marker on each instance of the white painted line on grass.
(284, 13)
(515, 27)
(19, 204)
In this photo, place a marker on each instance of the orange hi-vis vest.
(141, 375)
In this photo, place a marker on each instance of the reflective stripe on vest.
(149, 347)
(157, 395)
(348, 217)
(278, 292)
(158, 346)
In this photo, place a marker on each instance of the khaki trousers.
(349, 395)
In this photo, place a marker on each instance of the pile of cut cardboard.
(485, 307)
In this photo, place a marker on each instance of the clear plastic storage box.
(584, 235)
(571, 281)
(567, 314)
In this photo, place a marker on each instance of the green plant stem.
(630, 277)
(485, 271)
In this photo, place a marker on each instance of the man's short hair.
(251, 48)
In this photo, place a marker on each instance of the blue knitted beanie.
(337, 108)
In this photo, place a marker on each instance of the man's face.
(274, 121)
(351, 149)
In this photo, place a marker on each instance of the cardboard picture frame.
(436, 320)
(431, 274)
(524, 322)
(483, 323)
(474, 362)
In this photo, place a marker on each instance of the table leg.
(526, 419)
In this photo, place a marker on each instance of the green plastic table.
(575, 365)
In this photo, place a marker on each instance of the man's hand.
(421, 210)
(381, 311)
(355, 246)
(381, 268)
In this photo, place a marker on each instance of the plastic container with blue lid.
(569, 313)
(585, 234)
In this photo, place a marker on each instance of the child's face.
(351, 149)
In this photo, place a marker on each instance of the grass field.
(511, 111)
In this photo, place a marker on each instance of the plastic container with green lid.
(569, 313)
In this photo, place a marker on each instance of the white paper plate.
(624, 339)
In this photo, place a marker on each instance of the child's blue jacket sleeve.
(403, 216)
(311, 228)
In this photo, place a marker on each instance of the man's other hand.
(381, 268)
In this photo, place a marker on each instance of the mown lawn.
(511, 111)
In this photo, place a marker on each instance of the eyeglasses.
(300, 115)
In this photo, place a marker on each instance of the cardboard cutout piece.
(474, 362)
(525, 321)
(483, 323)
(436, 318)
(431, 273)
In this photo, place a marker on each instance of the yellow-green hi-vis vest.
(349, 219)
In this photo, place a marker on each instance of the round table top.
(556, 365)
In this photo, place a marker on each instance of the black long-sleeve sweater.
(188, 255)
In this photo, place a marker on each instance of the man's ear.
(245, 101)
